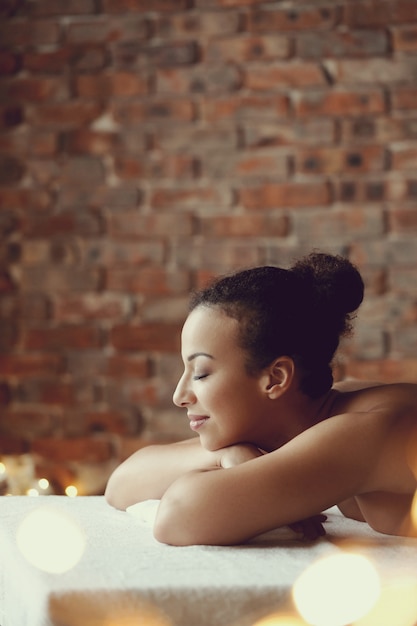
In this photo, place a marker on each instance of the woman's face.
(224, 404)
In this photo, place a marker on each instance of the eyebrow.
(196, 354)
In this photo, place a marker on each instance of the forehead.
(209, 329)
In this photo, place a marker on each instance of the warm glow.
(2, 468)
(396, 605)
(32, 492)
(50, 540)
(337, 590)
(414, 511)
(43, 483)
(279, 619)
(71, 491)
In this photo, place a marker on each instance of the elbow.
(114, 493)
(170, 525)
(183, 519)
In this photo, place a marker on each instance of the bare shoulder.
(394, 401)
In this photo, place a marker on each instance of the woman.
(277, 441)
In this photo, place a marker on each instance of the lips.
(197, 421)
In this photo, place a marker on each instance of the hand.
(237, 454)
(311, 528)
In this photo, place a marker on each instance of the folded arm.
(309, 474)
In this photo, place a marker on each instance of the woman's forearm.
(149, 472)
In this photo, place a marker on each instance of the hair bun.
(337, 287)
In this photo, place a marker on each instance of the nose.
(183, 395)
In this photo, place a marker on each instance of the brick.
(403, 156)
(379, 12)
(48, 392)
(43, 143)
(201, 139)
(402, 221)
(156, 166)
(267, 163)
(9, 63)
(102, 197)
(187, 198)
(28, 365)
(246, 107)
(244, 48)
(14, 446)
(85, 449)
(271, 19)
(89, 307)
(11, 116)
(272, 195)
(339, 225)
(158, 110)
(128, 366)
(104, 252)
(7, 283)
(65, 115)
(65, 223)
(120, 84)
(372, 71)
(49, 8)
(103, 30)
(91, 58)
(34, 90)
(337, 160)
(29, 33)
(361, 190)
(378, 129)
(147, 280)
(384, 370)
(173, 308)
(290, 74)
(132, 6)
(400, 189)
(315, 131)
(215, 257)
(80, 337)
(20, 198)
(339, 102)
(169, 55)
(402, 252)
(56, 279)
(403, 342)
(244, 226)
(113, 421)
(147, 337)
(404, 98)
(12, 170)
(30, 423)
(50, 62)
(86, 141)
(202, 78)
(404, 39)
(131, 224)
(342, 43)
(197, 24)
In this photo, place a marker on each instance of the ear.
(279, 377)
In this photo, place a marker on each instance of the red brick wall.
(149, 144)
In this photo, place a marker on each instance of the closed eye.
(199, 376)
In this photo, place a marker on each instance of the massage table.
(124, 577)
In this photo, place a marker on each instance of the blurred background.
(149, 145)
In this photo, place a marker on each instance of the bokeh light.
(336, 590)
(71, 491)
(50, 540)
(397, 606)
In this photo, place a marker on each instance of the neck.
(295, 415)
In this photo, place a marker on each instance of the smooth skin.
(267, 455)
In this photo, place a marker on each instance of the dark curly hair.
(301, 312)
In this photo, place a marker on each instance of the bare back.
(387, 416)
